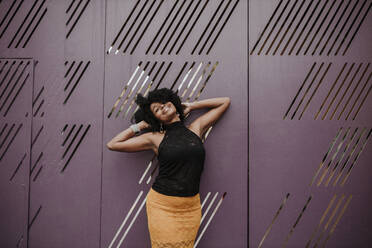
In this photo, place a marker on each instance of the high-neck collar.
(173, 125)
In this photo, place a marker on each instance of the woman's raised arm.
(126, 142)
(218, 106)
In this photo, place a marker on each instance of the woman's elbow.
(110, 146)
(227, 100)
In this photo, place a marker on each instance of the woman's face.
(164, 112)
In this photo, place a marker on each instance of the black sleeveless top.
(181, 157)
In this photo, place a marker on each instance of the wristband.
(135, 128)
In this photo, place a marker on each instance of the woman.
(173, 202)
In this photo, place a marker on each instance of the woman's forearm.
(209, 103)
(126, 134)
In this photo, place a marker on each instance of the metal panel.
(79, 192)
(142, 40)
(16, 85)
(310, 122)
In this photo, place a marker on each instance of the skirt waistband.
(170, 202)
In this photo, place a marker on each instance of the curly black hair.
(162, 95)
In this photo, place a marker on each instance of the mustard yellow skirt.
(173, 221)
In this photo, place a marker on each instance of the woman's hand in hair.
(143, 125)
(186, 107)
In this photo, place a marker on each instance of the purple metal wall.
(87, 60)
(310, 123)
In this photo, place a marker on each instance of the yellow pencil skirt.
(173, 221)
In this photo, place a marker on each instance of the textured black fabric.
(181, 156)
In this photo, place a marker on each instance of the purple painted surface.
(285, 154)
(226, 145)
(84, 205)
(15, 136)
